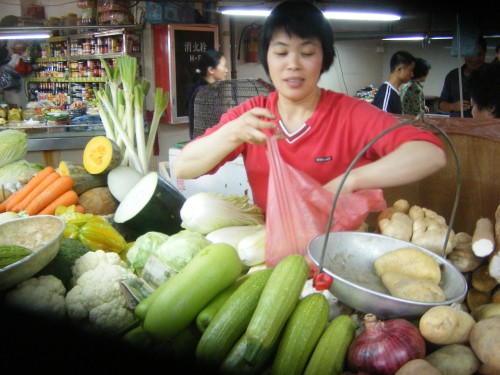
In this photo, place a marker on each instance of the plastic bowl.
(42, 234)
(349, 259)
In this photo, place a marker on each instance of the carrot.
(79, 208)
(66, 199)
(34, 193)
(19, 195)
(53, 191)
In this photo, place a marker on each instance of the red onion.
(385, 346)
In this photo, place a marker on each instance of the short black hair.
(485, 88)
(301, 18)
(401, 58)
(422, 68)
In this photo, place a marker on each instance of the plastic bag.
(298, 209)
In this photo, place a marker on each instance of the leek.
(121, 107)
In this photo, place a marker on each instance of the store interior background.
(362, 56)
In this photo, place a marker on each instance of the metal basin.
(42, 234)
(349, 259)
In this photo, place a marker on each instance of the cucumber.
(236, 364)
(10, 254)
(231, 320)
(277, 302)
(302, 332)
(206, 315)
(182, 297)
(329, 356)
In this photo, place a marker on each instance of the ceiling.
(428, 17)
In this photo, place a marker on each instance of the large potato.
(412, 288)
(410, 262)
(485, 341)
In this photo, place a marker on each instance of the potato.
(485, 341)
(411, 288)
(410, 262)
(444, 325)
(454, 359)
(418, 366)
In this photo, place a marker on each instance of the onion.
(385, 346)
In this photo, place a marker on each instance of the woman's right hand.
(248, 127)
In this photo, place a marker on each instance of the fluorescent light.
(333, 15)
(361, 16)
(24, 36)
(246, 12)
(414, 37)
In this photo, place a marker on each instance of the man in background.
(387, 96)
(449, 100)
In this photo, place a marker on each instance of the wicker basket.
(213, 100)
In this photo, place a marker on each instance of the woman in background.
(412, 92)
(212, 67)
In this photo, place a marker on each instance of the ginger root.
(462, 255)
(394, 221)
(429, 230)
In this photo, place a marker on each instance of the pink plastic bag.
(298, 209)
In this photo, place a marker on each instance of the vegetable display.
(215, 304)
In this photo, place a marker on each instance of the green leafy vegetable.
(180, 248)
(142, 248)
(13, 146)
(206, 211)
(20, 171)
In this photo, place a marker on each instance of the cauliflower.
(91, 260)
(97, 295)
(43, 295)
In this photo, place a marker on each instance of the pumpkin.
(101, 155)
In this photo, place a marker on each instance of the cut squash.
(82, 180)
(101, 154)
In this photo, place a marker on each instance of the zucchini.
(206, 315)
(101, 155)
(277, 302)
(153, 204)
(231, 320)
(182, 297)
(236, 364)
(301, 334)
(329, 356)
(82, 179)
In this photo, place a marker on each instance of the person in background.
(496, 59)
(211, 67)
(485, 92)
(318, 131)
(387, 96)
(449, 100)
(412, 92)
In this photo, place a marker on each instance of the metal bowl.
(42, 234)
(349, 259)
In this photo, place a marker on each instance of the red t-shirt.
(326, 144)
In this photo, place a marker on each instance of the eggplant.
(153, 204)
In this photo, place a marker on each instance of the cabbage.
(13, 146)
(20, 171)
(180, 248)
(233, 235)
(252, 248)
(142, 248)
(205, 212)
